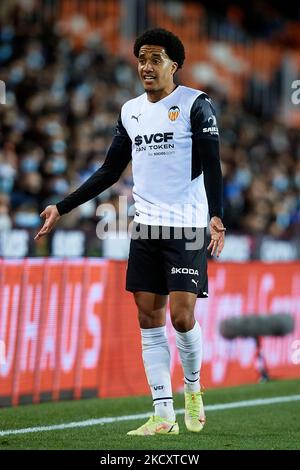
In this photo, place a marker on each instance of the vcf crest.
(173, 113)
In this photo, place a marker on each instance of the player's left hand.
(217, 233)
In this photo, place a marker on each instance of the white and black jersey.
(168, 180)
(173, 144)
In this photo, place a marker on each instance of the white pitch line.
(114, 419)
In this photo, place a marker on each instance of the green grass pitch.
(267, 426)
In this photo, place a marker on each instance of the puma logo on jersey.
(136, 117)
(195, 282)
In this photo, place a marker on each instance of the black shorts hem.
(200, 295)
(143, 289)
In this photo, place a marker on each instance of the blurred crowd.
(61, 108)
(261, 170)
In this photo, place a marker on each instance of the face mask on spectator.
(6, 185)
(5, 222)
(52, 128)
(297, 180)
(281, 183)
(27, 219)
(243, 177)
(16, 75)
(35, 60)
(58, 165)
(58, 146)
(60, 186)
(5, 52)
(29, 164)
(283, 219)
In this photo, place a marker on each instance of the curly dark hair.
(161, 37)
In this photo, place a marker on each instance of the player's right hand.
(51, 216)
(217, 233)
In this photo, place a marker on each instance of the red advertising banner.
(69, 329)
(244, 289)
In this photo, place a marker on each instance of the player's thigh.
(185, 260)
(145, 270)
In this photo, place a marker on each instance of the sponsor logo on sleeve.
(212, 126)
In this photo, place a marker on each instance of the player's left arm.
(206, 159)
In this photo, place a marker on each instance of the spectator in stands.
(61, 107)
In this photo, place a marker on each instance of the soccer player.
(171, 135)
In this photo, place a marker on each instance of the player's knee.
(151, 319)
(182, 318)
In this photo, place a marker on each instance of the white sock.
(156, 357)
(189, 346)
(165, 409)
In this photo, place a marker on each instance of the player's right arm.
(117, 159)
(206, 159)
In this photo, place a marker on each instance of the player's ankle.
(165, 410)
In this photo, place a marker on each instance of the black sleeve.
(205, 152)
(117, 158)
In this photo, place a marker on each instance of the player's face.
(155, 69)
